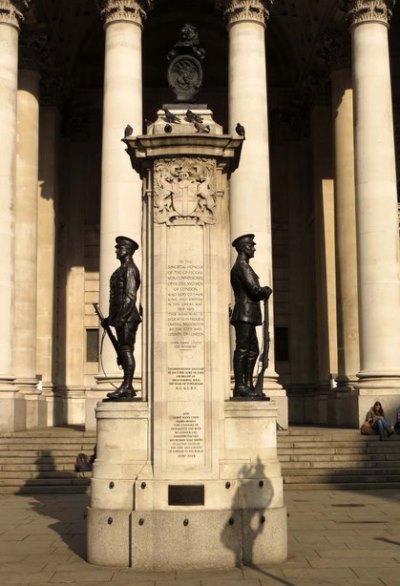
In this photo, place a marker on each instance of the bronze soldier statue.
(123, 314)
(246, 316)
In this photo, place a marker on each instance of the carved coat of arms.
(184, 191)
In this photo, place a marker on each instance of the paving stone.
(95, 575)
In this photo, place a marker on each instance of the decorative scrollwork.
(184, 191)
(359, 11)
(12, 11)
(130, 10)
(242, 10)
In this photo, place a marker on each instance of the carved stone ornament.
(184, 191)
(245, 10)
(185, 73)
(12, 11)
(130, 10)
(359, 11)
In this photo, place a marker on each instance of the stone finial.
(359, 11)
(245, 10)
(124, 10)
(12, 11)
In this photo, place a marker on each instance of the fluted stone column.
(121, 191)
(250, 206)
(10, 17)
(345, 229)
(376, 204)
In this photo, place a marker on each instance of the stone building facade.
(316, 86)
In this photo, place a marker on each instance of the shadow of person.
(59, 503)
(246, 521)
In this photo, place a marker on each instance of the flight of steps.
(325, 458)
(43, 460)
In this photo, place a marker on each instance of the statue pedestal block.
(136, 520)
(187, 478)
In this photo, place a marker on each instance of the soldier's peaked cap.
(127, 242)
(243, 239)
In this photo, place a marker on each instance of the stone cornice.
(245, 10)
(361, 11)
(124, 10)
(12, 11)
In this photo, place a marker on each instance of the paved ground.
(349, 538)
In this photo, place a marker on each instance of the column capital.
(361, 11)
(245, 10)
(124, 10)
(12, 11)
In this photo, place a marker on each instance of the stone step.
(33, 461)
(360, 464)
(43, 453)
(294, 457)
(332, 485)
(328, 458)
(49, 432)
(22, 482)
(312, 472)
(8, 468)
(354, 445)
(37, 474)
(45, 489)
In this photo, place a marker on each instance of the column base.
(383, 388)
(186, 539)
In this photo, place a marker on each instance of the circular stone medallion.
(185, 77)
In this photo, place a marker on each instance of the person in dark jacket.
(246, 315)
(123, 314)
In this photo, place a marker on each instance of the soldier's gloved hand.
(105, 322)
(267, 291)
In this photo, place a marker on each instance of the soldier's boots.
(126, 390)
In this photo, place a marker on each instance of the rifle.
(264, 354)
(108, 331)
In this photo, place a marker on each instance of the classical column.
(324, 229)
(49, 129)
(121, 190)
(250, 209)
(10, 17)
(376, 201)
(336, 51)
(345, 229)
(25, 248)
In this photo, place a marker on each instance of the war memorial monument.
(187, 475)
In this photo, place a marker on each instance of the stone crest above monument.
(185, 73)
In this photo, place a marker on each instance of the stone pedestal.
(189, 478)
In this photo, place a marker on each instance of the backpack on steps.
(83, 463)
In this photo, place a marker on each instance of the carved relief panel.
(185, 191)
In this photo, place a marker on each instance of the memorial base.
(186, 539)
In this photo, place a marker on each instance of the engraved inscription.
(186, 440)
(186, 379)
(185, 306)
